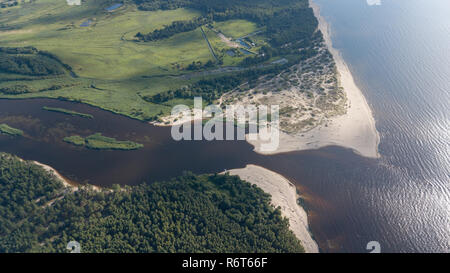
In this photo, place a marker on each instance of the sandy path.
(284, 195)
(283, 192)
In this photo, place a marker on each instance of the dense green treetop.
(206, 213)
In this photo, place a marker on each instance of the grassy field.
(99, 142)
(101, 51)
(113, 69)
(75, 140)
(67, 112)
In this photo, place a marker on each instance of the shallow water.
(161, 158)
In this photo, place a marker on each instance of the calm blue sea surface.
(399, 54)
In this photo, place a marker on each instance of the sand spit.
(284, 195)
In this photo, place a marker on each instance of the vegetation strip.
(67, 112)
(8, 130)
(209, 44)
(189, 214)
(99, 142)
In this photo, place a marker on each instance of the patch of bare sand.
(284, 195)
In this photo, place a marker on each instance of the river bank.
(350, 125)
(66, 182)
(355, 129)
(284, 195)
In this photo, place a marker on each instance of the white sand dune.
(284, 195)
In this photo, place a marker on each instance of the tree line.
(286, 21)
(172, 29)
(191, 213)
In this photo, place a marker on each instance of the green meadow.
(113, 69)
(236, 28)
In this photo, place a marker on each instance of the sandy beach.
(284, 195)
(54, 172)
(355, 130)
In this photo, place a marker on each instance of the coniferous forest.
(206, 213)
(286, 21)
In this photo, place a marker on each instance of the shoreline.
(355, 130)
(284, 195)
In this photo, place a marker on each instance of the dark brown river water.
(339, 187)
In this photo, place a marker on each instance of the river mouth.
(337, 185)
